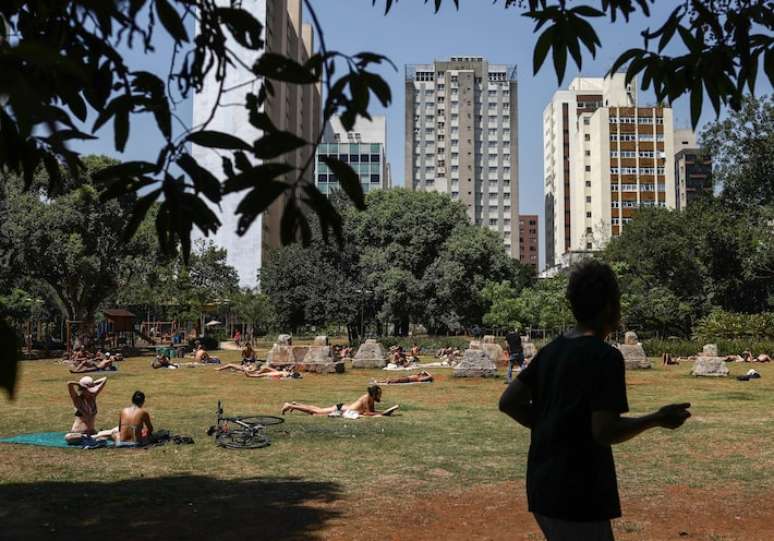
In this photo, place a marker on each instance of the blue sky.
(412, 34)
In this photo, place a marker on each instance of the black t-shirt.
(569, 475)
(514, 342)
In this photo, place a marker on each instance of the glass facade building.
(367, 159)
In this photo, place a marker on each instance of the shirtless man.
(270, 373)
(201, 356)
(421, 377)
(134, 424)
(365, 406)
(84, 396)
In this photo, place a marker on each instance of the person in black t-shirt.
(515, 352)
(571, 397)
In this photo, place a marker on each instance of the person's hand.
(673, 415)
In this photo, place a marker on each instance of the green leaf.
(216, 139)
(243, 26)
(697, 96)
(587, 11)
(10, 345)
(560, 59)
(348, 180)
(141, 207)
(171, 21)
(276, 144)
(254, 176)
(121, 128)
(690, 42)
(281, 68)
(123, 170)
(258, 200)
(327, 214)
(203, 181)
(379, 87)
(541, 48)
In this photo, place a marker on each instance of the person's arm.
(146, 419)
(516, 403)
(98, 386)
(609, 428)
(71, 387)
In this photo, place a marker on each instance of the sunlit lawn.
(447, 435)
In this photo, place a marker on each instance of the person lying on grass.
(266, 372)
(420, 377)
(365, 406)
(572, 397)
(201, 356)
(84, 394)
(99, 362)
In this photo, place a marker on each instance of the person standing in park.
(572, 397)
(515, 353)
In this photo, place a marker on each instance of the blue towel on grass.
(44, 439)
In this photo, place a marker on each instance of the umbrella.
(212, 323)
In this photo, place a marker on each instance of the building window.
(588, 215)
(586, 137)
(588, 168)
(588, 199)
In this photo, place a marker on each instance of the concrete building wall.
(462, 139)
(292, 108)
(529, 244)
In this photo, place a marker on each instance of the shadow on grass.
(179, 507)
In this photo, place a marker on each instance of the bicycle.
(242, 432)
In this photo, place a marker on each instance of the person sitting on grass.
(571, 397)
(134, 424)
(365, 406)
(84, 394)
(420, 377)
(162, 361)
(248, 354)
(201, 356)
(267, 372)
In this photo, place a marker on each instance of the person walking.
(572, 397)
(515, 353)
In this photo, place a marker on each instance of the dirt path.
(495, 512)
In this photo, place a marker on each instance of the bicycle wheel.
(242, 439)
(263, 420)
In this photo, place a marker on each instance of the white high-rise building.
(292, 108)
(605, 156)
(462, 139)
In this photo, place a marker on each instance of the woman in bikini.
(84, 396)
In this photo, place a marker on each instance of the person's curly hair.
(594, 295)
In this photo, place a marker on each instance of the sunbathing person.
(270, 373)
(365, 406)
(421, 377)
(233, 367)
(762, 358)
(201, 356)
(134, 424)
(84, 396)
(248, 355)
(99, 363)
(162, 361)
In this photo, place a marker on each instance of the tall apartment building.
(529, 244)
(363, 147)
(292, 108)
(605, 156)
(462, 139)
(693, 169)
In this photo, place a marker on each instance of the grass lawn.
(448, 448)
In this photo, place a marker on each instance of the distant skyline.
(412, 34)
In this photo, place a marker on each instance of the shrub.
(720, 325)
(209, 342)
(683, 348)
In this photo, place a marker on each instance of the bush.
(429, 344)
(728, 325)
(683, 348)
